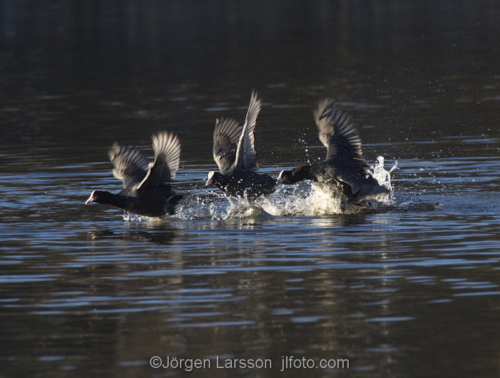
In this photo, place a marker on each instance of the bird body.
(244, 184)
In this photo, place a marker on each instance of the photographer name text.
(287, 363)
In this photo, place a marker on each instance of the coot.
(344, 168)
(234, 152)
(146, 187)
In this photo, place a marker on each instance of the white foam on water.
(304, 198)
(129, 217)
(215, 206)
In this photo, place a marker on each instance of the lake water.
(407, 290)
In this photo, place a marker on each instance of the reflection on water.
(406, 289)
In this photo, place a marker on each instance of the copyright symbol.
(155, 362)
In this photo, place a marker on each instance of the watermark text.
(286, 363)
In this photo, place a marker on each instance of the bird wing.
(246, 156)
(338, 133)
(226, 135)
(130, 165)
(167, 150)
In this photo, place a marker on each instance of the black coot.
(147, 190)
(344, 168)
(234, 152)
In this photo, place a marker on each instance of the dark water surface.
(411, 290)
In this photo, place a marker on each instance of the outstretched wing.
(167, 149)
(338, 133)
(226, 135)
(246, 156)
(130, 165)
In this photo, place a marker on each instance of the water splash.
(129, 217)
(215, 206)
(379, 173)
(305, 198)
(303, 142)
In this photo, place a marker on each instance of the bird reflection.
(161, 237)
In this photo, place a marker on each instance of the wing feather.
(130, 165)
(338, 133)
(226, 135)
(167, 150)
(246, 156)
